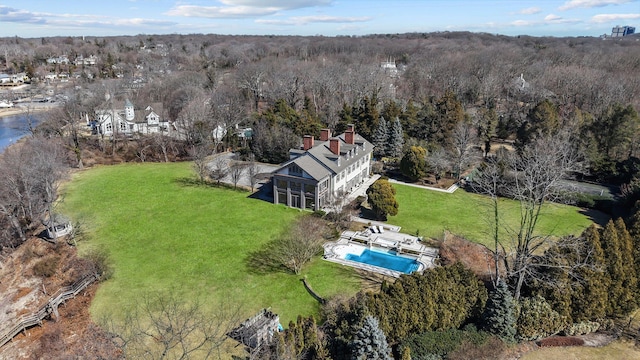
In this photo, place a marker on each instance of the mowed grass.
(470, 215)
(163, 234)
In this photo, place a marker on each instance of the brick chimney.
(334, 146)
(325, 134)
(307, 142)
(349, 137)
(351, 128)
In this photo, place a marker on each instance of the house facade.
(333, 166)
(125, 119)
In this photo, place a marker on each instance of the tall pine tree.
(590, 296)
(370, 343)
(396, 139)
(621, 298)
(500, 315)
(380, 139)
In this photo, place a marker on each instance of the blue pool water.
(385, 260)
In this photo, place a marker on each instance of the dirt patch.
(474, 256)
(73, 335)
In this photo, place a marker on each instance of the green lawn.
(469, 215)
(162, 233)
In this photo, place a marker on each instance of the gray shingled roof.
(310, 166)
(319, 161)
(324, 156)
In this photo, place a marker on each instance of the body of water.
(14, 127)
(386, 260)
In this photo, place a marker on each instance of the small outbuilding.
(58, 226)
(257, 330)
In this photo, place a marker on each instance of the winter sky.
(41, 18)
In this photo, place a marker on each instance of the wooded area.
(525, 113)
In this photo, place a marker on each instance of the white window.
(108, 127)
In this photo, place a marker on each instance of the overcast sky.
(39, 18)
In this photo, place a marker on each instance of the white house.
(125, 119)
(334, 166)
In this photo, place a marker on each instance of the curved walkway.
(26, 321)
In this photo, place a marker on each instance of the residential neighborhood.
(403, 195)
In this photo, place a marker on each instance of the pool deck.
(378, 237)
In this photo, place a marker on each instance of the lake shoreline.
(17, 110)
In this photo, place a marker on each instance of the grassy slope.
(468, 215)
(163, 234)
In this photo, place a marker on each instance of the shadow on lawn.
(195, 182)
(596, 216)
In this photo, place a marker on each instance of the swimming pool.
(388, 260)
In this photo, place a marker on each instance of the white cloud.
(221, 12)
(522, 23)
(604, 18)
(550, 19)
(8, 14)
(74, 20)
(243, 8)
(572, 4)
(530, 11)
(303, 20)
(281, 4)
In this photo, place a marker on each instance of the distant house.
(125, 119)
(318, 171)
(81, 60)
(20, 78)
(619, 31)
(58, 60)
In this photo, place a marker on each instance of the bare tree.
(294, 248)
(219, 168)
(200, 154)
(253, 169)
(163, 142)
(29, 186)
(439, 163)
(236, 170)
(463, 147)
(339, 211)
(165, 326)
(532, 178)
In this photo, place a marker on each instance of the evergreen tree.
(366, 116)
(538, 320)
(634, 231)
(414, 163)
(396, 139)
(391, 110)
(449, 114)
(439, 299)
(589, 298)
(543, 119)
(626, 247)
(380, 139)
(382, 198)
(621, 298)
(370, 343)
(500, 314)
